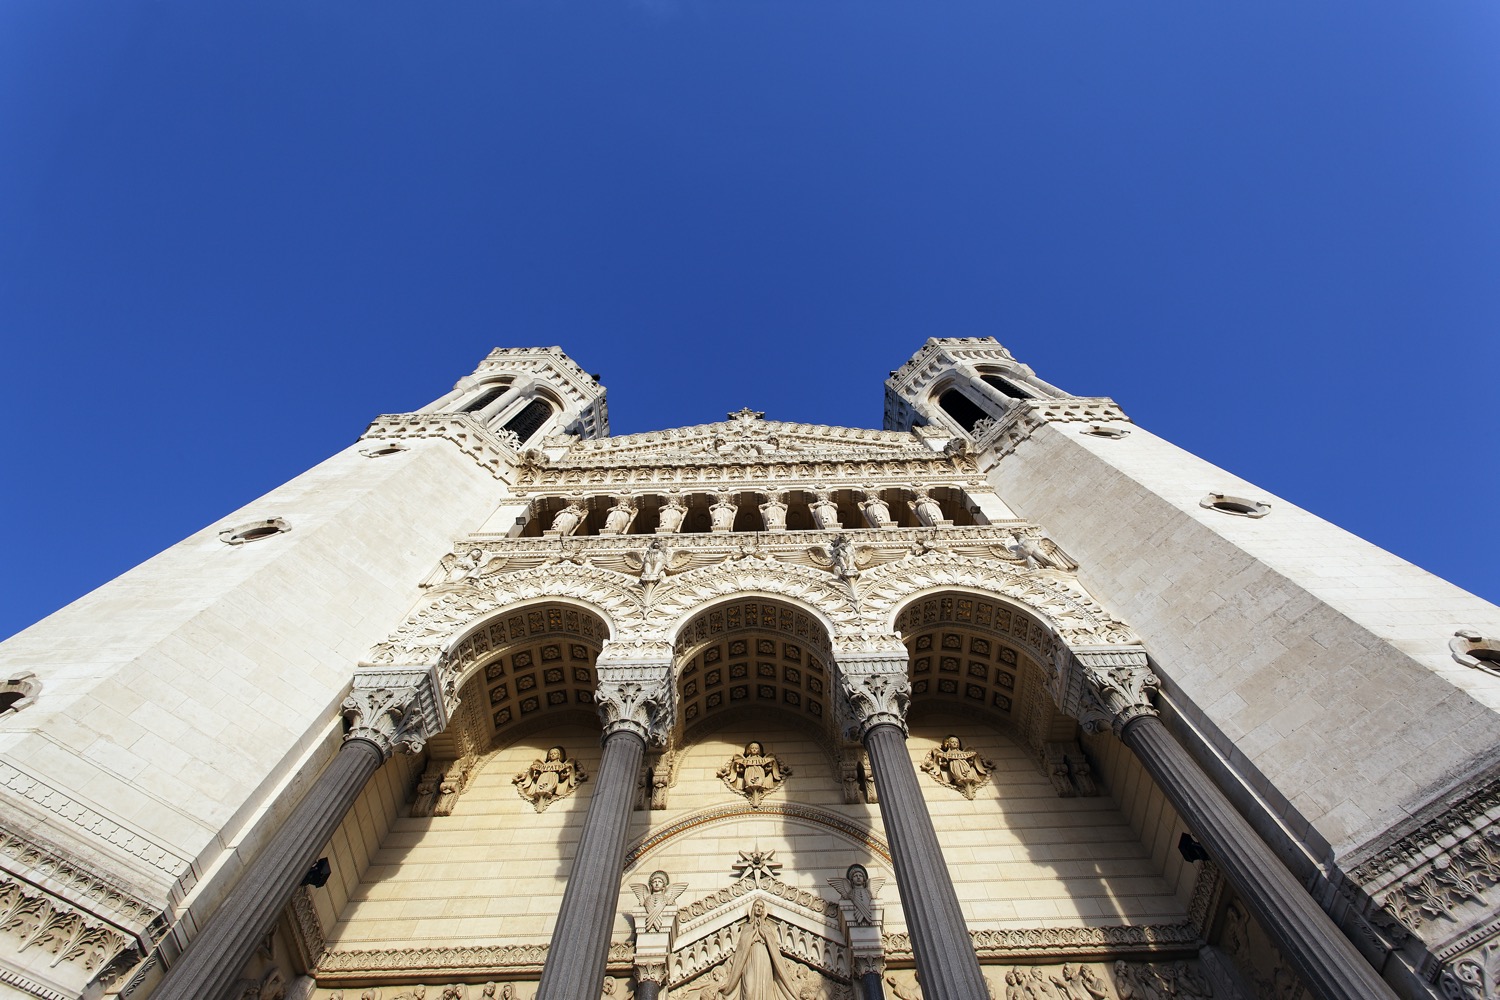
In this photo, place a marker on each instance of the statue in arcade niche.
(670, 514)
(754, 773)
(952, 765)
(550, 779)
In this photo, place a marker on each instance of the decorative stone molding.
(858, 835)
(90, 890)
(93, 825)
(1455, 886)
(396, 709)
(33, 918)
(1024, 416)
(463, 431)
(339, 967)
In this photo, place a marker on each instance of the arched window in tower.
(485, 398)
(1008, 387)
(530, 419)
(961, 408)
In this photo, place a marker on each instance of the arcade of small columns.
(721, 511)
(639, 687)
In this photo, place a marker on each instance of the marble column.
(635, 705)
(389, 711)
(875, 680)
(1116, 693)
(505, 399)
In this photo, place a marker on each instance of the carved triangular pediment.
(748, 437)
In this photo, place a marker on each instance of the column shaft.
(646, 989)
(873, 987)
(1306, 936)
(215, 957)
(946, 963)
(580, 941)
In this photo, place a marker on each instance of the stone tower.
(1010, 696)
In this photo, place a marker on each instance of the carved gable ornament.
(747, 436)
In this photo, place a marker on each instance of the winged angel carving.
(656, 897)
(843, 557)
(859, 890)
(656, 561)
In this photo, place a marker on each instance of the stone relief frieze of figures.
(554, 777)
(757, 967)
(965, 771)
(754, 773)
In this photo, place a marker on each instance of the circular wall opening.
(1238, 506)
(254, 531)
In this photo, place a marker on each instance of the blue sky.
(230, 234)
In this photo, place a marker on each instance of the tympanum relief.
(953, 766)
(754, 773)
(547, 780)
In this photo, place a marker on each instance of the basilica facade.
(1010, 698)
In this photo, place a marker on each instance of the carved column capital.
(398, 709)
(635, 689)
(873, 674)
(1104, 687)
(651, 972)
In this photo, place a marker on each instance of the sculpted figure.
(669, 515)
(876, 512)
(1040, 553)
(656, 896)
(754, 773)
(952, 765)
(568, 519)
(757, 971)
(722, 513)
(860, 890)
(842, 556)
(1095, 987)
(546, 780)
(617, 519)
(773, 512)
(458, 567)
(825, 512)
(928, 511)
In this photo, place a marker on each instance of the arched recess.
(680, 598)
(753, 652)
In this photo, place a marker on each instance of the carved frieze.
(32, 918)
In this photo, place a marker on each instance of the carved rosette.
(873, 671)
(398, 710)
(635, 689)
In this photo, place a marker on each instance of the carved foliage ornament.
(389, 718)
(878, 697)
(32, 919)
(636, 701)
(1117, 695)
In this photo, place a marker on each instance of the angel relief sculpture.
(859, 890)
(843, 557)
(1040, 552)
(656, 561)
(754, 773)
(952, 765)
(657, 897)
(550, 779)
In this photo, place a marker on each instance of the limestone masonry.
(1010, 698)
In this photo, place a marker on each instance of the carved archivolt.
(1062, 605)
(682, 597)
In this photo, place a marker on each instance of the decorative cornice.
(472, 438)
(93, 825)
(32, 859)
(33, 918)
(339, 967)
(1025, 416)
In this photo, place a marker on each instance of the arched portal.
(754, 654)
